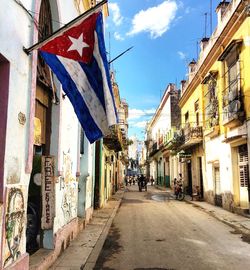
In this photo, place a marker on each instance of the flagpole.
(62, 29)
(120, 55)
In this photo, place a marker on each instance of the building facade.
(47, 166)
(215, 99)
(162, 127)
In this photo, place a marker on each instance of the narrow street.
(153, 231)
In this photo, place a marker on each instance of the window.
(186, 117)
(196, 109)
(4, 90)
(231, 59)
(211, 101)
(243, 165)
(233, 76)
(44, 95)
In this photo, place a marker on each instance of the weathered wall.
(21, 31)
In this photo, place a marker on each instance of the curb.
(238, 228)
(91, 260)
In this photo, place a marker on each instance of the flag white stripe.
(88, 94)
(110, 106)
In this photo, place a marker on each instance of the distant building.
(161, 162)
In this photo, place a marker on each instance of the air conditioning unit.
(234, 107)
(233, 93)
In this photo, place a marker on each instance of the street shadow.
(154, 268)
(110, 248)
(127, 201)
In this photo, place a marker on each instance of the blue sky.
(164, 35)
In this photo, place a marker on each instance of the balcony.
(192, 136)
(160, 141)
(212, 128)
(233, 107)
(169, 136)
(153, 149)
(173, 139)
(233, 113)
(114, 140)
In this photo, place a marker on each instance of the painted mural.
(69, 187)
(14, 225)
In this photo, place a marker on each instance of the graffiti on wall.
(69, 186)
(14, 225)
(48, 192)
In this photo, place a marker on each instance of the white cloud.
(136, 113)
(182, 55)
(155, 20)
(141, 124)
(117, 36)
(117, 18)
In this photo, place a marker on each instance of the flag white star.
(77, 44)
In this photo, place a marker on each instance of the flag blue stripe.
(92, 131)
(102, 50)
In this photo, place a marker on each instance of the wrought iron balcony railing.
(114, 141)
(192, 135)
(153, 149)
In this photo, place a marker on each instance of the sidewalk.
(84, 250)
(240, 223)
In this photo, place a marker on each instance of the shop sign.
(48, 192)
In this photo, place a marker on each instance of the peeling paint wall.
(66, 194)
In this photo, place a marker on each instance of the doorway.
(201, 178)
(42, 137)
(189, 174)
(243, 166)
(217, 187)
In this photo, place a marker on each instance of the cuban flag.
(77, 56)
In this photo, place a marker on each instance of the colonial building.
(215, 112)
(163, 165)
(47, 165)
(112, 153)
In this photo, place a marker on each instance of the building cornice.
(217, 43)
(162, 104)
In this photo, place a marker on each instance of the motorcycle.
(142, 184)
(179, 193)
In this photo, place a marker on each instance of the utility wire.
(28, 12)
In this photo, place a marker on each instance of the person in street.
(130, 180)
(126, 180)
(179, 180)
(152, 180)
(177, 184)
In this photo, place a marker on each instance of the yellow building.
(83, 5)
(215, 107)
